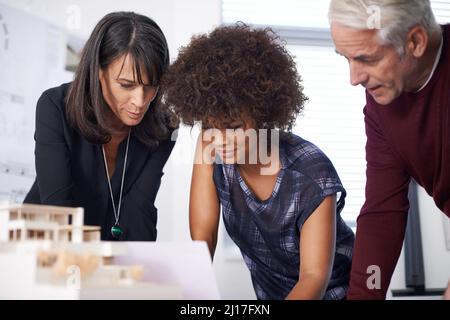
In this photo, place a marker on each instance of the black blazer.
(70, 171)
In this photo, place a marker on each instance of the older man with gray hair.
(397, 51)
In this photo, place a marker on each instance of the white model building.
(37, 222)
(46, 252)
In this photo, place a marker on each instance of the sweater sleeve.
(382, 221)
(52, 156)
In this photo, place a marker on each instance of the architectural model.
(46, 252)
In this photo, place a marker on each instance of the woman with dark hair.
(103, 140)
(281, 207)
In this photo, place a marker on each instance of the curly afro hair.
(232, 74)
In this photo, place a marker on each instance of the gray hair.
(393, 18)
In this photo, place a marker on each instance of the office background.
(38, 44)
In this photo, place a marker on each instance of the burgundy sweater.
(409, 138)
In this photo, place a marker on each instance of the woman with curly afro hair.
(281, 196)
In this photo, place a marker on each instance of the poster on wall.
(32, 59)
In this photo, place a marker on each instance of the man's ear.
(417, 41)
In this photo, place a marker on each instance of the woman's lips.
(134, 115)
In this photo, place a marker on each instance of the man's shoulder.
(446, 46)
(446, 30)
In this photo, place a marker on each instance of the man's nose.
(357, 74)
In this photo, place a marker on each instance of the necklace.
(116, 230)
(436, 61)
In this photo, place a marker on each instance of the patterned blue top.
(268, 232)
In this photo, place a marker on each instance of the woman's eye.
(126, 86)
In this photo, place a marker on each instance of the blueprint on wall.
(32, 59)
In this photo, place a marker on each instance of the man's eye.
(368, 60)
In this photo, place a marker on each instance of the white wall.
(177, 18)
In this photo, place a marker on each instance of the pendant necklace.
(116, 230)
